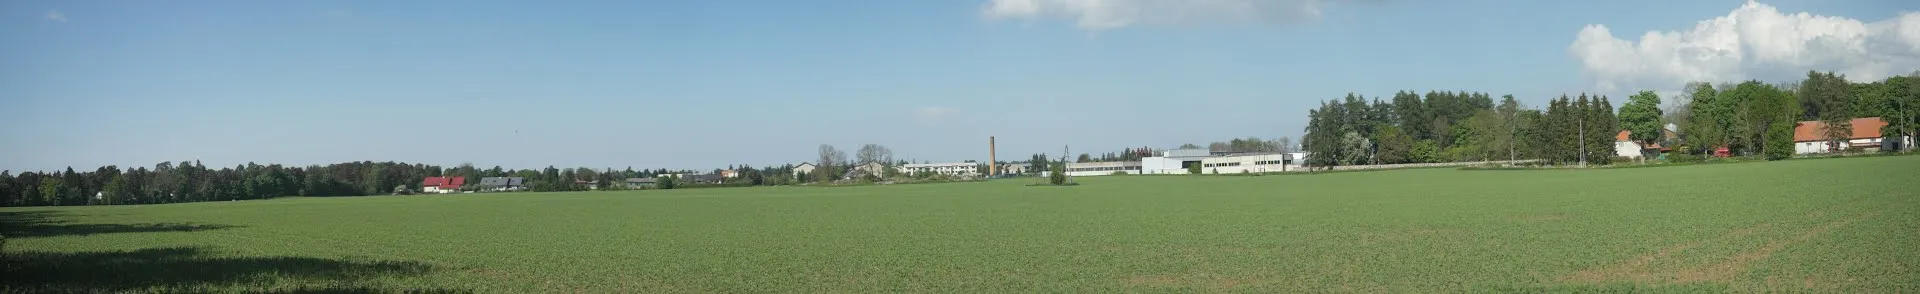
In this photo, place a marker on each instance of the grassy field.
(1835, 225)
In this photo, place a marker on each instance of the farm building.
(953, 169)
(499, 184)
(442, 184)
(1809, 137)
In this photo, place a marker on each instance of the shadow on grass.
(30, 224)
(190, 269)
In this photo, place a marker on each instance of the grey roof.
(709, 178)
(1188, 153)
(642, 180)
(503, 181)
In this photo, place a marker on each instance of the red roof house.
(1811, 136)
(442, 184)
(1813, 130)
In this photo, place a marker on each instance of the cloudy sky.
(703, 84)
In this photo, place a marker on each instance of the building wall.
(1257, 163)
(950, 169)
(1626, 149)
(1244, 163)
(1161, 166)
(1102, 168)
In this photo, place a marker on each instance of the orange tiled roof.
(1863, 128)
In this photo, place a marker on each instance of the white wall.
(1245, 163)
(1225, 164)
(1102, 168)
(1626, 149)
(1161, 166)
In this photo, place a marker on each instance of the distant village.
(1810, 138)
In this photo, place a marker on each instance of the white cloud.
(933, 114)
(1110, 14)
(1755, 41)
(55, 16)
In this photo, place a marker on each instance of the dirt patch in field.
(491, 273)
(1203, 281)
(1406, 235)
(1639, 269)
(1736, 264)
(1536, 218)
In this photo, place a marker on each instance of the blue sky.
(704, 84)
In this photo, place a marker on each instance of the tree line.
(1750, 118)
(191, 181)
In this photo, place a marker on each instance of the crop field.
(1831, 225)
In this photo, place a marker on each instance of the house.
(728, 173)
(591, 185)
(1810, 137)
(641, 183)
(503, 184)
(802, 168)
(1625, 146)
(442, 184)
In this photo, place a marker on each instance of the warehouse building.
(1102, 168)
(951, 169)
(1180, 161)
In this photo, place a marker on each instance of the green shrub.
(1059, 176)
(1686, 158)
(666, 183)
(1119, 172)
(1193, 169)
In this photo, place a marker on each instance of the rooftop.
(1863, 128)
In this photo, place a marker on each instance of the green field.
(1831, 225)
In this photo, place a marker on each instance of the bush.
(665, 183)
(1059, 176)
(1120, 173)
(1779, 144)
(1193, 169)
(1685, 158)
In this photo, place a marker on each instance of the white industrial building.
(1014, 168)
(1179, 161)
(952, 169)
(1102, 168)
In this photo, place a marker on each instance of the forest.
(190, 181)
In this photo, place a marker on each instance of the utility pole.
(1583, 138)
(1064, 150)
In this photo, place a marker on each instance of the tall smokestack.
(993, 159)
